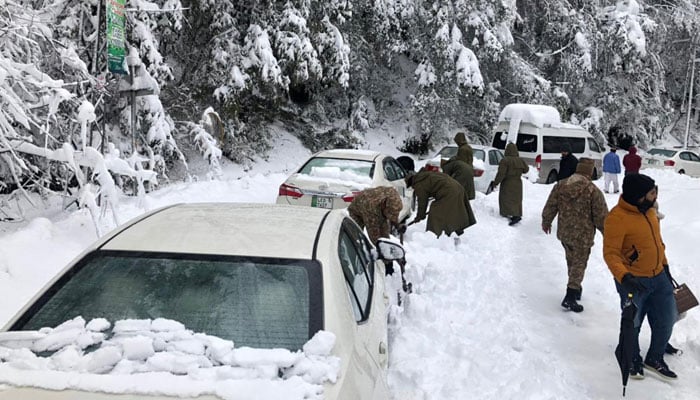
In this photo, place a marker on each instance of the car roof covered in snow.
(351, 154)
(265, 230)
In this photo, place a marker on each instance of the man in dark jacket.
(567, 165)
(581, 209)
(448, 212)
(632, 161)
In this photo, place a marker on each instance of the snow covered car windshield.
(256, 302)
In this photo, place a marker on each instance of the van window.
(594, 146)
(553, 144)
(526, 142)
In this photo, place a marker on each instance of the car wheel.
(552, 177)
(682, 171)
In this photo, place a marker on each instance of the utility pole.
(690, 96)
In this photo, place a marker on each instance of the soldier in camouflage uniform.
(582, 209)
(377, 209)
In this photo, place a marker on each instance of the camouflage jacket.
(376, 209)
(581, 208)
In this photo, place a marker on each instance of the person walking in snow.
(635, 253)
(581, 209)
(448, 212)
(377, 209)
(568, 162)
(611, 169)
(510, 196)
(460, 169)
(632, 161)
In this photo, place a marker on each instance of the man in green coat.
(510, 196)
(448, 212)
(460, 167)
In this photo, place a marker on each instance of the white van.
(539, 135)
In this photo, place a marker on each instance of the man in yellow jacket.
(635, 254)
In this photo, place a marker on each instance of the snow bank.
(162, 357)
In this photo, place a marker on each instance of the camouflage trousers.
(376, 226)
(576, 262)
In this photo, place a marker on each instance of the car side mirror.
(389, 250)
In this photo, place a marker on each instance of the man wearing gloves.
(581, 208)
(635, 254)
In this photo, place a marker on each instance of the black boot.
(569, 301)
(514, 220)
(578, 294)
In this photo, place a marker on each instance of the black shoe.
(637, 371)
(569, 301)
(578, 294)
(514, 220)
(661, 369)
(672, 350)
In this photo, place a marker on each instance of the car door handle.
(383, 357)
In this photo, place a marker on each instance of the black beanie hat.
(636, 186)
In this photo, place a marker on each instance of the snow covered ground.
(484, 321)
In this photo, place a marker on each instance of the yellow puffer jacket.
(632, 242)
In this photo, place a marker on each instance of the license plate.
(652, 161)
(322, 202)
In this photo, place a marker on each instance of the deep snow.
(484, 321)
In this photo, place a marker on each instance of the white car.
(486, 161)
(681, 161)
(332, 179)
(263, 276)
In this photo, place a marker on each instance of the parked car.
(332, 179)
(681, 161)
(261, 275)
(486, 161)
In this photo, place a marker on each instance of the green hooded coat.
(510, 170)
(448, 212)
(464, 150)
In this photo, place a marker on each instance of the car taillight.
(538, 162)
(478, 172)
(348, 198)
(289, 190)
(669, 163)
(430, 167)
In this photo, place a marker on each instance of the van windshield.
(553, 144)
(526, 142)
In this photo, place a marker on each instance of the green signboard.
(115, 36)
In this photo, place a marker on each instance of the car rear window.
(352, 170)
(662, 152)
(553, 144)
(448, 152)
(256, 302)
(451, 151)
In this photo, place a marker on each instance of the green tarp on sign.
(115, 36)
